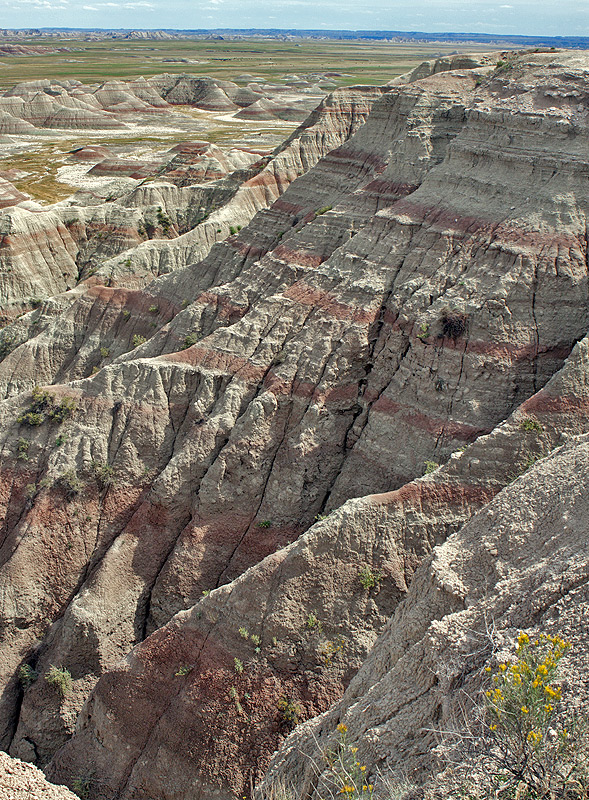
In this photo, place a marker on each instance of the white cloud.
(89, 8)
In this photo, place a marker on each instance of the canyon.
(284, 432)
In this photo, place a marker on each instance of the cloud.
(89, 8)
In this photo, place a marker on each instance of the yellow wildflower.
(525, 710)
(342, 728)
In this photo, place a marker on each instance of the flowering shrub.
(346, 774)
(540, 750)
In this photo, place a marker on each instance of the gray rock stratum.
(216, 457)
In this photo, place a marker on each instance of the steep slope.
(395, 303)
(315, 621)
(520, 564)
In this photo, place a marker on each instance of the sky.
(528, 17)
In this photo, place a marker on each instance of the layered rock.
(393, 305)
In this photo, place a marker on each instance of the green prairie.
(90, 62)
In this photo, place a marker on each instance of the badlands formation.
(320, 472)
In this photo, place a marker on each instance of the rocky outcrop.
(393, 305)
(19, 781)
(521, 564)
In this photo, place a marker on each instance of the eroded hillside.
(220, 462)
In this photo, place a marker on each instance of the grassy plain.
(90, 62)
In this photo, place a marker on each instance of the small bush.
(529, 424)
(81, 787)
(64, 410)
(345, 774)
(430, 466)
(453, 325)
(32, 418)
(244, 633)
(182, 671)
(60, 678)
(138, 340)
(104, 352)
(235, 697)
(323, 210)
(104, 474)
(265, 523)
(534, 746)
(153, 309)
(313, 622)
(22, 449)
(70, 482)
(369, 579)
(238, 666)
(27, 675)
(189, 340)
(290, 711)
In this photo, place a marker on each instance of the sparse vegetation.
(238, 666)
(244, 633)
(533, 746)
(235, 697)
(429, 467)
(81, 787)
(323, 210)
(369, 579)
(138, 340)
(182, 671)
(22, 449)
(104, 474)
(43, 407)
(345, 773)
(189, 340)
(529, 424)
(27, 675)
(104, 352)
(313, 622)
(70, 482)
(265, 523)
(290, 711)
(453, 324)
(423, 331)
(60, 678)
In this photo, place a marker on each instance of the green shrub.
(530, 424)
(64, 410)
(323, 210)
(238, 666)
(22, 449)
(369, 579)
(430, 466)
(27, 675)
(104, 352)
(70, 482)
(60, 678)
(189, 340)
(31, 418)
(138, 340)
(82, 786)
(104, 474)
(265, 523)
